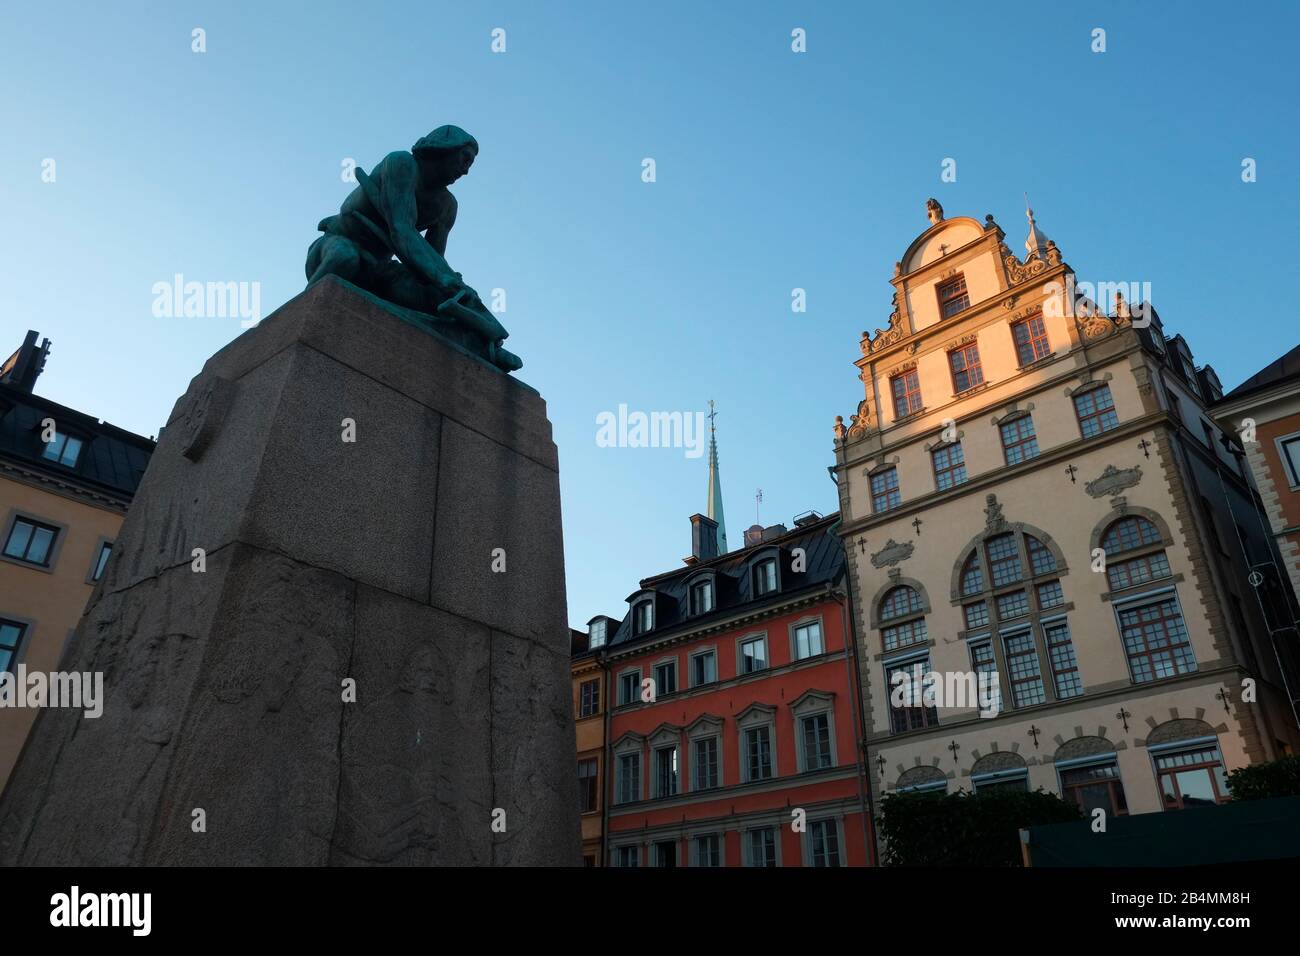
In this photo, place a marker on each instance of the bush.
(964, 829)
(1281, 778)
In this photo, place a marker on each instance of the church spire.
(715, 484)
(1036, 243)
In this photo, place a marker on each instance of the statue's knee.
(333, 255)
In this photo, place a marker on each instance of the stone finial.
(1035, 242)
(840, 431)
(933, 210)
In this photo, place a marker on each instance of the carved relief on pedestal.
(201, 417)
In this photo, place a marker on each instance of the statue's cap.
(445, 138)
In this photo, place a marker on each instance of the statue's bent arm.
(400, 181)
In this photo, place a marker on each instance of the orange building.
(66, 480)
(587, 669)
(733, 708)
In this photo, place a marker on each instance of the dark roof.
(112, 460)
(1275, 373)
(825, 564)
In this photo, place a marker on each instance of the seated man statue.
(402, 197)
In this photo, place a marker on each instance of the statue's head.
(447, 153)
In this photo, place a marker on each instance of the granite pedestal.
(324, 560)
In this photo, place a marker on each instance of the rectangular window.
(1290, 448)
(665, 678)
(596, 635)
(824, 843)
(643, 617)
(666, 772)
(761, 846)
(1018, 784)
(906, 389)
(629, 778)
(901, 635)
(977, 614)
(817, 742)
(101, 560)
(1156, 641)
(708, 850)
(808, 640)
(627, 856)
(1015, 604)
(665, 853)
(753, 655)
(1060, 653)
(1022, 664)
(1096, 411)
(590, 698)
(983, 661)
(1031, 340)
(913, 714)
(884, 490)
(704, 668)
(1019, 443)
(1127, 574)
(953, 296)
(966, 370)
(64, 449)
(629, 687)
(1050, 595)
(31, 541)
(704, 763)
(758, 753)
(1192, 778)
(11, 638)
(949, 466)
(765, 577)
(588, 787)
(1096, 787)
(701, 597)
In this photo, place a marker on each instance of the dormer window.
(596, 634)
(953, 297)
(765, 577)
(643, 617)
(64, 449)
(702, 597)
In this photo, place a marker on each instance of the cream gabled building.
(1004, 438)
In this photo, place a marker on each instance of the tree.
(1280, 778)
(964, 829)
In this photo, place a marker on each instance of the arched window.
(902, 618)
(1133, 533)
(1155, 637)
(1014, 609)
(972, 576)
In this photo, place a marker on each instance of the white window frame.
(805, 839)
(740, 653)
(700, 652)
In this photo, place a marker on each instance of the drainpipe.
(844, 599)
(607, 787)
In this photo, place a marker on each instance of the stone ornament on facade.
(892, 553)
(201, 417)
(860, 421)
(994, 519)
(1113, 480)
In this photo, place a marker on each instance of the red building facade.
(734, 719)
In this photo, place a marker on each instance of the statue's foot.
(506, 360)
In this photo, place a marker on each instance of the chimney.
(704, 538)
(753, 534)
(774, 531)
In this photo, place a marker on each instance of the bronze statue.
(404, 196)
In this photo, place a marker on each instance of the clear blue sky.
(775, 170)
